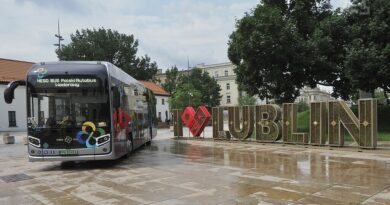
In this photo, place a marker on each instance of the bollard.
(7, 139)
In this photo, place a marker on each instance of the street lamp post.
(58, 35)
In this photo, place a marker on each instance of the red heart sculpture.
(196, 121)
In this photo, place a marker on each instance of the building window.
(162, 101)
(228, 99)
(216, 74)
(226, 73)
(227, 86)
(159, 116)
(12, 118)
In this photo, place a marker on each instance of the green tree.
(206, 85)
(368, 54)
(185, 95)
(246, 100)
(271, 48)
(328, 44)
(108, 45)
(172, 78)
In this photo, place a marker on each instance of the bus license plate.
(69, 152)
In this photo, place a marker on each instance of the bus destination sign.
(67, 83)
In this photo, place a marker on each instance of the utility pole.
(189, 93)
(188, 77)
(58, 35)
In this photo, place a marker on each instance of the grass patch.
(303, 121)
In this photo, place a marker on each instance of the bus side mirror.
(10, 90)
(116, 98)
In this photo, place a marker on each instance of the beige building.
(224, 75)
(309, 95)
(226, 78)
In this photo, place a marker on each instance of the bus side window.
(116, 99)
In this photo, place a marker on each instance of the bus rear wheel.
(148, 143)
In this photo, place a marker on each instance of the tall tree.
(328, 51)
(368, 54)
(171, 81)
(108, 45)
(271, 48)
(185, 95)
(206, 85)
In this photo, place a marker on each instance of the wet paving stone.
(203, 172)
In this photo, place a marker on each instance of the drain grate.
(15, 178)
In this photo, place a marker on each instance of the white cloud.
(168, 31)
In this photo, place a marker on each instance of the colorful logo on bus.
(92, 137)
(41, 72)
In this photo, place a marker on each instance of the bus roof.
(112, 70)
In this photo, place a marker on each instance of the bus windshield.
(66, 108)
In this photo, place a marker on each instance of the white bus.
(85, 111)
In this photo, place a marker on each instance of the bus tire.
(148, 143)
(131, 147)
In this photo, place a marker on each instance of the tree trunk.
(386, 97)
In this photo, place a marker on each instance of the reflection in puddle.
(292, 163)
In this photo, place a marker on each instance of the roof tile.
(157, 90)
(11, 70)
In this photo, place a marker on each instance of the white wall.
(232, 92)
(160, 108)
(18, 105)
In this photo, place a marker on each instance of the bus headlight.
(102, 140)
(34, 141)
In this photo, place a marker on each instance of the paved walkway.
(203, 172)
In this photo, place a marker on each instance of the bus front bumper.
(109, 156)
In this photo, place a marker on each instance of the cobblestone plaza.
(203, 172)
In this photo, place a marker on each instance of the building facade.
(224, 74)
(13, 116)
(162, 97)
(308, 95)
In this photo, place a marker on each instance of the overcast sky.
(167, 30)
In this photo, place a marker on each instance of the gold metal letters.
(268, 128)
(177, 123)
(328, 123)
(247, 122)
(218, 132)
(363, 130)
(289, 121)
(318, 116)
(368, 123)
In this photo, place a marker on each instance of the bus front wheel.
(131, 146)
